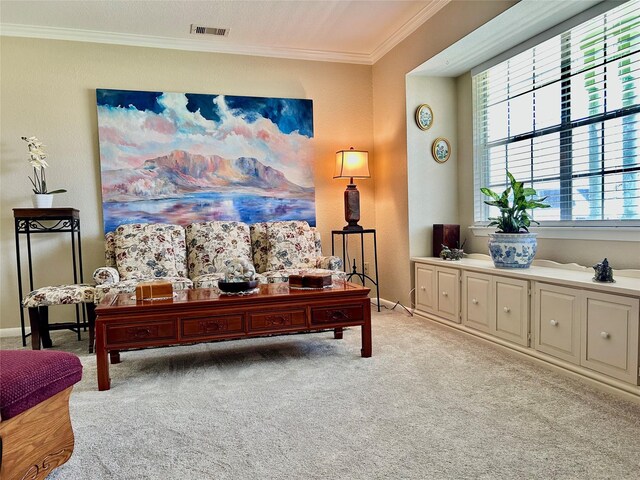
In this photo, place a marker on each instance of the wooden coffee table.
(201, 315)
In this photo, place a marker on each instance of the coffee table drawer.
(277, 319)
(142, 332)
(211, 325)
(347, 314)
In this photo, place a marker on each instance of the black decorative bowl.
(235, 287)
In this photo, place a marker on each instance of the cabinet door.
(512, 310)
(610, 335)
(425, 284)
(447, 291)
(476, 301)
(557, 321)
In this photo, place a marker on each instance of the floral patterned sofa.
(194, 257)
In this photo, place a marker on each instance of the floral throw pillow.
(291, 245)
(145, 250)
(211, 244)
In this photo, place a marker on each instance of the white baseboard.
(12, 332)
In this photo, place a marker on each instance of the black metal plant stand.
(361, 275)
(48, 220)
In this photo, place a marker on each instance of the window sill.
(617, 234)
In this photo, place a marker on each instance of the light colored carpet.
(431, 403)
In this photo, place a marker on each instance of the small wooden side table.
(47, 220)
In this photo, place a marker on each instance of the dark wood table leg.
(34, 322)
(102, 362)
(337, 333)
(43, 313)
(114, 355)
(366, 331)
(91, 318)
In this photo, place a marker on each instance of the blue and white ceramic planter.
(512, 250)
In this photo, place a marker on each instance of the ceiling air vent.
(220, 32)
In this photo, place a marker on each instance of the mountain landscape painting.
(183, 158)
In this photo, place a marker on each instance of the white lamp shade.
(352, 164)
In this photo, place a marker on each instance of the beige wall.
(432, 186)
(621, 254)
(452, 23)
(47, 89)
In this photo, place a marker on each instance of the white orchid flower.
(37, 160)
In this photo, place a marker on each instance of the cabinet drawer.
(610, 335)
(512, 310)
(211, 325)
(476, 301)
(447, 287)
(141, 332)
(557, 322)
(277, 320)
(349, 314)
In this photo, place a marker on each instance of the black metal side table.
(361, 275)
(48, 220)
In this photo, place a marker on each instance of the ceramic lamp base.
(352, 207)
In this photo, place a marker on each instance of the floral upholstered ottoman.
(39, 301)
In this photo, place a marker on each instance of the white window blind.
(564, 117)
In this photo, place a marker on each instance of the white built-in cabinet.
(556, 321)
(554, 312)
(438, 291)
(496, 305)
(610, 335)
(477, 301)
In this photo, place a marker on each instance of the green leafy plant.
(514, 204)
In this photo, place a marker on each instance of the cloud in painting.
(137, 126)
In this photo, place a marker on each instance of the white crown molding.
(223, 46)
(407, 29)
(516, 25)
(197, 45)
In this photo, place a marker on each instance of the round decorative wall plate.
(441, 149)
(424, 117)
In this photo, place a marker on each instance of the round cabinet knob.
(553, 322)
(604, 334)
(474, 301)
(506, 309)
(422, 288)
(445, 294)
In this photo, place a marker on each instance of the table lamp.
(352, 164)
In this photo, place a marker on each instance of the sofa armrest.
(106, 275)
(329, 262)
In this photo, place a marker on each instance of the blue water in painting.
(209, 206)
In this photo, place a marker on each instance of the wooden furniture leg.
(102, 362)
(337, 333)
(45, 335)
(34, 322)
(91, 318)
(114, 356)
(366, 332)
(37, 440)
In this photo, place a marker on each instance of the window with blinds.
(564, 117)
